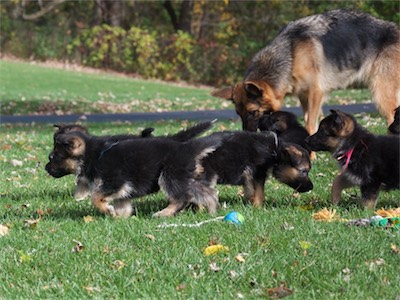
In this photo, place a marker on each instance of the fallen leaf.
(213, 266)
(78, 247)
(296, 195)
(88, 219)
(23, 257)
(307, 207)
(214, 249)
(118, 264)
(31, 223)
(327, 215)
(304, 245)
(150, 237)
(181, 287)
(395, 249)
(388, 213)
(279, 292)
(374, 264)
(287, 226)
(346, 274)
(91, 289)
(16, 163)
(233, 274)
(240, 258)
(4, 230)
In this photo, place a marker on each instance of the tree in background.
(195, 40)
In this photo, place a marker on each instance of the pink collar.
(348, 155)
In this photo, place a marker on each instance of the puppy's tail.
(192, 132)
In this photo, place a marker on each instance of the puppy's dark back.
(286, 126)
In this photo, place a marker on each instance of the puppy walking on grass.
(186, 171)
(366, 160)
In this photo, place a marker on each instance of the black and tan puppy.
(187, 172)
(56, 165)
(64, 128)
(242, 158)
(394, 128)
(286, 126)
(118, 171)
(366, 160)
(82, 188)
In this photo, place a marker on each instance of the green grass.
(134, 258)
(29, 88)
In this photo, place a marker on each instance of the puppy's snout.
(305, 187)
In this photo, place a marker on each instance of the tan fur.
(340, 183)
(78, 146)
(313, 78)
(172, 208)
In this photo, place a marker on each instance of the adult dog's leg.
(385, 83)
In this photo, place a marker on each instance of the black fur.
(246, 158)
(186, 171)
(394, 128)
(366, 160)
(286, 126)
(57, 166)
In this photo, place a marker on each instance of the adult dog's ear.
(74, 145)
(253, 90)
(224, 93)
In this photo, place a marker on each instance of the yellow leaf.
(304, 245)
(118, 264)
(31, 223)
(214, 249)
(389, 213)
(88, 219)
(395, 249)
(327, 215)
(23, 257)
(240, 258)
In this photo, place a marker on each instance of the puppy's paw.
(81, 197)
(110, 210)
(123, 208)
(164, 213)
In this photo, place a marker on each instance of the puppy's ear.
(59, 127)
(147, 132)
(74, 145)
(291, 153)
(343, 123)
(225, 93)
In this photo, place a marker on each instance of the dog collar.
(347, 155)
(106, 149)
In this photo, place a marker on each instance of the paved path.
(173, 115)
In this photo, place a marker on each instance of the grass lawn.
(59, 248)
(27, 88)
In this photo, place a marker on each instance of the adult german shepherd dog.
(314, 55)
